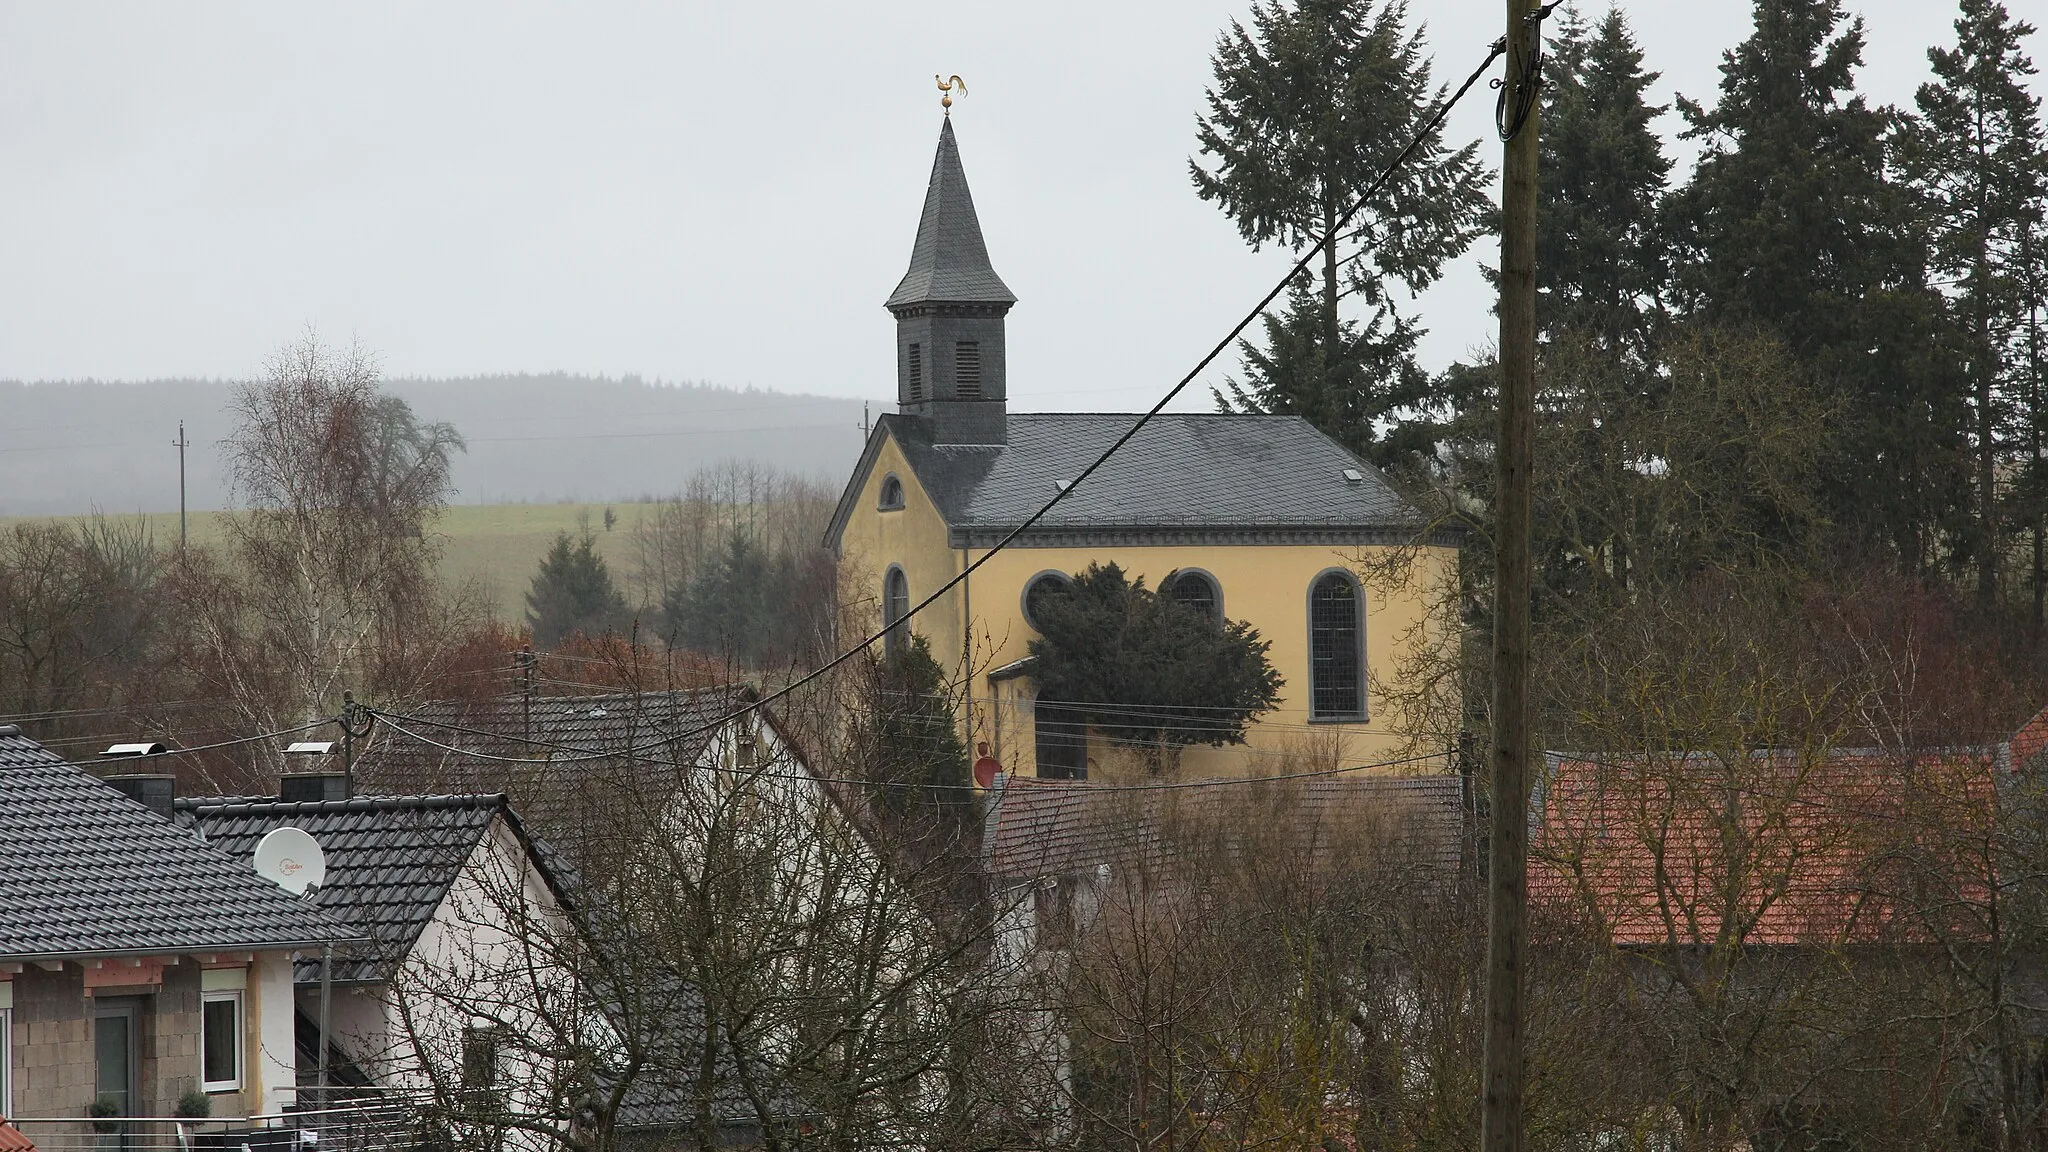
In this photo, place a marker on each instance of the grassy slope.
(497, 544)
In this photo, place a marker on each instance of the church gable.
(884, 482)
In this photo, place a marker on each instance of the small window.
(1061, 742)
(1336, 649)
(895, 607)
(967, 369)
(220, 1041)
(892, 493)
(482, 1091)
(1039, 591)
(916, 373)
(1196, 589)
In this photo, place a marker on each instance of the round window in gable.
(892, 493)
(1041, 590)
(1196, 589)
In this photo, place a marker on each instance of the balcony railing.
(386, 1122)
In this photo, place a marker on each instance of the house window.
(1062, 742)
(1336, 648)
(892, 493)
(1041, 590)
(483, 1093)
(895, 607)
(1195, 589)
(916, 368)
(220, 1041)
(967, 370)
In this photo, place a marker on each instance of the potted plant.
(194, 1105)
(104, 1110)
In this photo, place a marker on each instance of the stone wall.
(54, 1068)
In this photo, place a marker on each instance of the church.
(1256, 518)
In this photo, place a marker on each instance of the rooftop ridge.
(238, 805)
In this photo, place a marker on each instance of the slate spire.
(951, 363)
(949, 263)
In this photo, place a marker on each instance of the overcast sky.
(716, 192)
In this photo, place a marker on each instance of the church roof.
(1207, 474)
(949, 263)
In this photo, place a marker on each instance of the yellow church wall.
(914, 538)
(1264, 585)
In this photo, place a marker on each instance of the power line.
(581, 755)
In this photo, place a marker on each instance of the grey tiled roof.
(84, 870)
(1207, 470)
(390, 860)
(549, 796)
(949, 263)
(1040, 828)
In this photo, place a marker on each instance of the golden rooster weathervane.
(946, 85)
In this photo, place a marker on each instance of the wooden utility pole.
(1507, 888)
(181, 444)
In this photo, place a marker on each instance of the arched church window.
(1336, 648)
(895, 607)
(1041, 590)
(1196, 589)
(892, 493)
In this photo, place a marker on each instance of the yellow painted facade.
(980, 625)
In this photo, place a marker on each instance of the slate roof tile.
(1212, 471)
(85, 870)
(390, 860)
(949, 262)
(549, 796)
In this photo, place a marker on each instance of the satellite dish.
(291, 859)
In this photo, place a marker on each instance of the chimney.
(156, 791)
(312, 787)
(324, 782)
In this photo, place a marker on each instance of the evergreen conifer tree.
(1310, 104)
(1602, 175)
(1791, 224)
(573, 592)
(913, 748)
(1148, 671)
(1976, 161)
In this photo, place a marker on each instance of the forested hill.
(71, 447)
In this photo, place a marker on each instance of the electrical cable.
(1524, 87)
(306, 727)
(581, 755)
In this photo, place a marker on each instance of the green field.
(498, 545)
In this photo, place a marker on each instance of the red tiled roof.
(12, 1140)
(1770, 847)
(1039, 828)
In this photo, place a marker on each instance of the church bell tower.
(949, 309)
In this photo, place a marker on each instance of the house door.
(117, 1064)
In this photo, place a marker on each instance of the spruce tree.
(1148, 671)
(573, 592)
(1600, 258)
(1790, 223)
(1974, 156)
(1310, 104)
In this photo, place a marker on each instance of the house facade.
(468, 931)
(137, 965)
(1255, 518)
